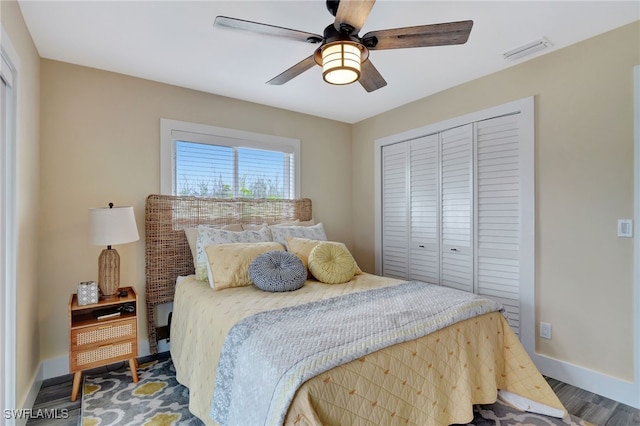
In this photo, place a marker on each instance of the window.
(209, 161)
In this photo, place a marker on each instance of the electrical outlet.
(545, 330)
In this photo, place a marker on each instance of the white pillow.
(314, 232)
(208, 236)
(192, 236)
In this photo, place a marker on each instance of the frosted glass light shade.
(341, 63)
(111, 226)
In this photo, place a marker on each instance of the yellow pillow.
(331, 263)
(229, 263)
(302, 247)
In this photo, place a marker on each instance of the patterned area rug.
(500, 414)
(159, 400)
(156, 400)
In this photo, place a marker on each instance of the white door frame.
(636, 214)
(8, 261)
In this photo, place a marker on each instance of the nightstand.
(97, 340)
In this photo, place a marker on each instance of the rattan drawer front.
(102, 333)
(111, 352)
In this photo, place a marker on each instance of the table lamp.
(107, 227)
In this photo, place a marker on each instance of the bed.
(428, 377)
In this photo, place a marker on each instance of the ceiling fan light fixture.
(341, 62)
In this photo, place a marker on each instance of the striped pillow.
(278, 271)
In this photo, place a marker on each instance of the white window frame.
(8, 260)
(173, 130)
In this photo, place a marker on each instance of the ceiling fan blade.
(353, 13)
(271, 30)
(293, 72)
(421, 36)
(370, 78)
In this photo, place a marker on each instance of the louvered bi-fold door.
(395, 215)
(457, 207)
(425, 209)
(498, 213)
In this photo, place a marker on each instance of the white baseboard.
(601, 384)
(30, 399)
(53, 367)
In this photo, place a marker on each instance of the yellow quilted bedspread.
(433, 380)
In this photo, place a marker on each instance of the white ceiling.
(175, 42)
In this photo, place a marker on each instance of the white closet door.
(457, 207)
(498, 213)
(395, 214)
(425, 209)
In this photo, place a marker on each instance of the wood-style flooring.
(54, 395)
(594, 408)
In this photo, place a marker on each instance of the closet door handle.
(421, 246)
(454, 249)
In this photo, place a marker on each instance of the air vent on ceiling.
(527, 49)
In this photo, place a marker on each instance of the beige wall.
(27, 196)
(101, 142)
(584, 183)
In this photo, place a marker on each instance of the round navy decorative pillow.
(278, 271)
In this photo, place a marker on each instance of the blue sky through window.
(209, 170)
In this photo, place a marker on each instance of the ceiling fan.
(343, 54)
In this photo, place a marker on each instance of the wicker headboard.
(167, 253)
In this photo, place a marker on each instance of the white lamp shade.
(111, 226)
